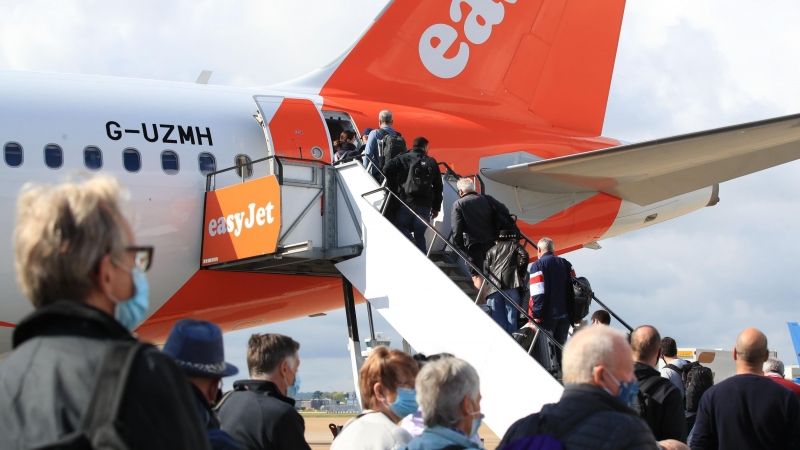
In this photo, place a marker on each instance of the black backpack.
(697, 379)
(99, 427)
(582, 299)
(420, 176)
(644, 402)
(390, 146)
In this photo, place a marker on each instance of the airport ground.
(319, 436)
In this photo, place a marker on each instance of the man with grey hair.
(260, 412)
(383, 144)
(774, 370)
(448, 392)
(78, 263)
(596, 408)
(552, 294)
(474, 226)
(748, 410)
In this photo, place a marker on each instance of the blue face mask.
(291, 391)
(130, 313)
(476, 423)
(406, 402)
(627, 391)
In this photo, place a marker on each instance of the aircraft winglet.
(794, 331)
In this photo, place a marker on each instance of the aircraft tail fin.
(547, 58)
(794, 331)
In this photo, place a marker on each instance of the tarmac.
(319, 436)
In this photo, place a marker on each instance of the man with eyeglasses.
(77, 378)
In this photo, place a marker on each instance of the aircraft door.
(293, 128)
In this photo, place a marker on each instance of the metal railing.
(465, 258)
(613, 314)
(448, 171)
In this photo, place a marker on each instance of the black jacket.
(507, 264)
(589, 418)
(668, 417)
(345, 150)
(259, 417)
(474, 215)
(396, 171)
(220, 440)
(47, 381)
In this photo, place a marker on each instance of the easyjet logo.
(234, 223)
(440, 37)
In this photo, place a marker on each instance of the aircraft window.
(92, 158)
(169, 162)
(12, 153)
(248, 169)
(207, 162)
(53, 156)
(131, 160)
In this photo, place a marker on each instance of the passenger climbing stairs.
(312, 218)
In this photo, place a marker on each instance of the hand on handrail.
(466, 259)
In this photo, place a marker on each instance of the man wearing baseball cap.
(196, 346)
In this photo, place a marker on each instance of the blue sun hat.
(196, 346)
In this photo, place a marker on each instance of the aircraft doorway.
(293, 128)
(337, 122)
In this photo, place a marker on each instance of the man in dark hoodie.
(78, 263)
(414, 177)
(660, 402)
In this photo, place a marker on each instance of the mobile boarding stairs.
(305, 217)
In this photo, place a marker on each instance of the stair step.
(446, 265)
(458, 278)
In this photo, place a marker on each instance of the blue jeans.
(407, 223)
(503, 313)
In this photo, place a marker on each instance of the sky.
(682, 66)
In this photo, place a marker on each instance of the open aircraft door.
(293, 127)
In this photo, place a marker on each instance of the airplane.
(514, 91)
(794, 331)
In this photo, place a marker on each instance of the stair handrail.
(449, 171)
(276, 159)
(613, 314)
(465, 258)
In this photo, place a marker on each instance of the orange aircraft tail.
(554, 58)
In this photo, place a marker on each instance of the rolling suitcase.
(543, 352)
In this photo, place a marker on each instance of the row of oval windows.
(131, 159)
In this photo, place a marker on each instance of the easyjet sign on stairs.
(241, 221)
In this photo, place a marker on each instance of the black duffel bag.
(582, 300)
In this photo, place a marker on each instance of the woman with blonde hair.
(387, 392)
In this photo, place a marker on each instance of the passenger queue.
(78, 378)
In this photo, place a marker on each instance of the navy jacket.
(586, 418)
(747, 411)
(551, 284)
